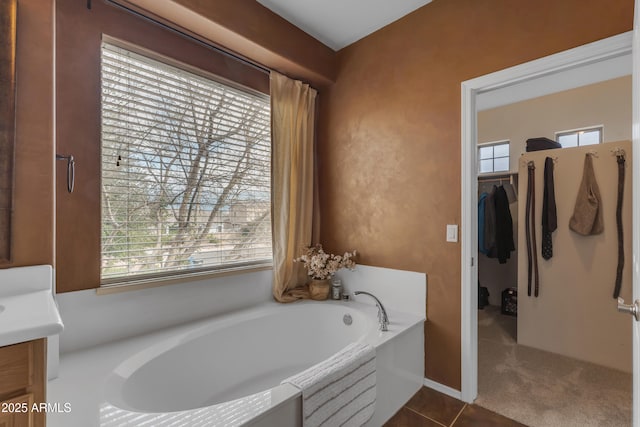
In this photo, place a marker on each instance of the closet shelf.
(496, 176)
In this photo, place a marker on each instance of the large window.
(493, 157)
(185, 170)
(580, 137)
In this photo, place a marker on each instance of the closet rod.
(496, 177)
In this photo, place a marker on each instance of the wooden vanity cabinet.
(22, 384)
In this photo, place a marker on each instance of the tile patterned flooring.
(429, 408)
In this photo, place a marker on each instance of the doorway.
(546, 363)
(501, 83)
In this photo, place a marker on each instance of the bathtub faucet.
(383, 319)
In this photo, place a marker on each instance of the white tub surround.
(397, 289)
(227, 370)
(27, 308)
(92, 319)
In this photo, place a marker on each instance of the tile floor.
(429, 408)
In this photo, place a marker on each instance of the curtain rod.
(190, 37)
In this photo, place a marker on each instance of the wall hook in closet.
(618, 152)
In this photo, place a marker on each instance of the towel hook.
(71, 170)
(618, 152)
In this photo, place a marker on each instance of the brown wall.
(389, 135)
(33, 218)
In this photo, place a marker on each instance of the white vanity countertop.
(27, 308)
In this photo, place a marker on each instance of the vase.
(319, 289)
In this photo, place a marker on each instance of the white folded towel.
(341, 390)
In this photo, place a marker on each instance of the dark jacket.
(504, 226)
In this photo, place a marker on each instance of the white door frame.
(587, 54)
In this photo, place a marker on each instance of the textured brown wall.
(32, 238)
(389, 135)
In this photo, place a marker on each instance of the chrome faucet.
(383, 319)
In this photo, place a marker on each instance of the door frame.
(591, 53)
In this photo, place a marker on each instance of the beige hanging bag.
(587, 214)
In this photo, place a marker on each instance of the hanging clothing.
(512, 193)
(549, 214)
(495, 225)
(587, 214)
(504, 226)
(490, 223)
(481, 208)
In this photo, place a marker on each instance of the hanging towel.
(549, 215)
(481, 208)
(340, 391)
(587, 214)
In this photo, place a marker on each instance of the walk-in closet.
(554, 251)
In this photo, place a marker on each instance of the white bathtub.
(226, 371)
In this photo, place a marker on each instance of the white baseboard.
(443, 389)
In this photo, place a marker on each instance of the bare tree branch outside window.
(185, 169)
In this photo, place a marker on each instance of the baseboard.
(443, 389)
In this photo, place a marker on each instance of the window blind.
(185, 170)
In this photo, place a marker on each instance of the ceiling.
(338, 23)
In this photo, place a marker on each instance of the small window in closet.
(493, 157)
(580, 137)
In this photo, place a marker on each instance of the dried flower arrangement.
(321, 265)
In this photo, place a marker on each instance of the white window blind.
(185, 171)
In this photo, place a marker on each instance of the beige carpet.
(538, 388)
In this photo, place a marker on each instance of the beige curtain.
(292, 183)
